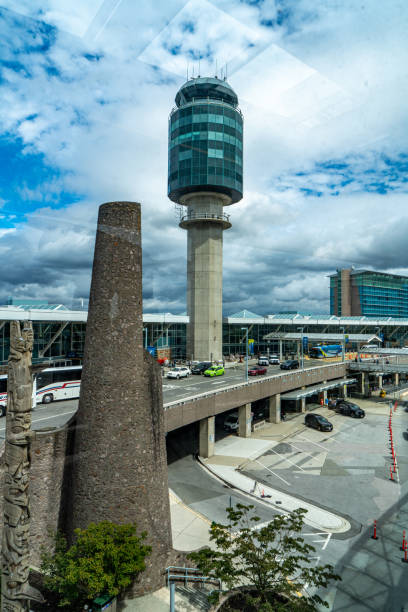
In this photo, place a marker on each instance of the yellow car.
(216, 370)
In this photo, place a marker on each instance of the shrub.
(104, 559)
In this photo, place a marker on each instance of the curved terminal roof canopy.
(202, 88)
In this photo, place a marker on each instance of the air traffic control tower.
(205, 174)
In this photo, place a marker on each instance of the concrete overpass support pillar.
(303, 403)
(380, 381)
(323, 394)
(280, 351)
(344, 391)
(244, 423)
(275, 409)
(207, 437)
(396, 378)
(362, 382)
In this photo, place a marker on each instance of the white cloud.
(73, 17)
(200, 30)
(326, 83)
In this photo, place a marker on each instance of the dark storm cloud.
(325, 143)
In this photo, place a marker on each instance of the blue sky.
(85, 92)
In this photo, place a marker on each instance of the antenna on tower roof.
(187, 71)
(199, 64)
(216, 68)
(226, 71)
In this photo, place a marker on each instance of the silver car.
(231, 422)
(178, 372)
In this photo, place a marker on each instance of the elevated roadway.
(379, 366)
(231, 393)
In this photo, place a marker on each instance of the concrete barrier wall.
(184, 412)
(48, 451)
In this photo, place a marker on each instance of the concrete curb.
(316, 517)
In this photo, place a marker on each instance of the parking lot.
(347, 471)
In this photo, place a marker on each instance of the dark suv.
(200, 368)
(289, 364)
(349, 409)
(318, 422)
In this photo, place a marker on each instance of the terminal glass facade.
(205, 149)
(369, 293)
(64, 342)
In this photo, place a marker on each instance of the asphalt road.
(47, 415)
(347, 471)
(174, 389)
(57, 413)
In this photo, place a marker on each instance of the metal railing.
(197, 101)
(197, 216)
(186, 575)
(372, 366)
(189, 574)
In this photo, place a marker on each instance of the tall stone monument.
(119, 468)
(16, 592)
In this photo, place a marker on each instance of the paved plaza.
(345, 474)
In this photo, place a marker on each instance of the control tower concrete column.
(205, 174)
(205, 223)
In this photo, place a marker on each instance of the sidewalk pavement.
(190, 532)
(232, 454)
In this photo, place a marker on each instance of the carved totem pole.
(16, 591)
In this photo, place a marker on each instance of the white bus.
(49, 385)
(3, 394)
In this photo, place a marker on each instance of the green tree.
(104, 559)
(265, 562)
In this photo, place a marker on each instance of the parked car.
(263, 361)
(231, 422)
(289, 364)
(274, 360)
(178, 372)
(318, 422)
(349, 409)
(216, 370)
(259, 414)
(255, 370)
(201, 367)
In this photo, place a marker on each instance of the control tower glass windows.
(205, 150)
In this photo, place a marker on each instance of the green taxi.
(216, 370)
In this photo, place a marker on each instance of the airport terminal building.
(59, 333)
(355, 292)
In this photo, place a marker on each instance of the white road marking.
(266, 468)
(47, 417)
(285, 459)
(311, 442)
(329, 535)
(325, 540)
(302, 451)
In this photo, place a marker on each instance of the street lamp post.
(246, 350)
(343, 345)
(301, 344)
